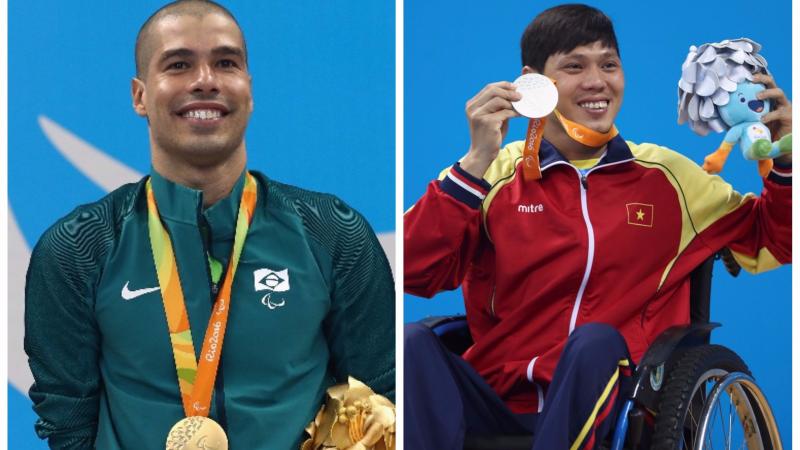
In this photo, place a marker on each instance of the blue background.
(323, 83)
(453, 49)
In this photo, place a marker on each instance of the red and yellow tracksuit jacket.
(614, 245)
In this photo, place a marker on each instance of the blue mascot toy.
(716, 93)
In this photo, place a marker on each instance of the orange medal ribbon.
(530, 154)
(196, 380)
(585, 135)
(576, 131)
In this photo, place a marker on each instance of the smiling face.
(590, 84)
(744, 105)
(196, 90)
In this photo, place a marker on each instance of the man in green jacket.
(130, 299)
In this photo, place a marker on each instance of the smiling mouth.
(595, 106)
(203, 114)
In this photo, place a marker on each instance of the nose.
(205, 80)
(594, 79)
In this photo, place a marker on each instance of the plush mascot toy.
(716, 93)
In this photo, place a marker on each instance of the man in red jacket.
(567, 279)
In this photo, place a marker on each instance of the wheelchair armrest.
(678, 336)
(452, 331)
(437, 322)
(649, 375)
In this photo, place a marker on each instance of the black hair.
(563, 28)
(178, 7)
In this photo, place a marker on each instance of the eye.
(178, 65)
(742, 99)
(227, 63)
(611, 65)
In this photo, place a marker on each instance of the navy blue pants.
(445, 399)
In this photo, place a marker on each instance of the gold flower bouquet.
(352, 418)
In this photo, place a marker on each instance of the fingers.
(500, 90)
(488, 113)
(779, 120)
(764, 79)
(492, 99)
(492, 106)
(495, 120)
(776, 94)
(504, 115)
(775, 115)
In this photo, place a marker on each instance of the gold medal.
(197, 432)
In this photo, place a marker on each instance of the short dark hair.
(562, 28)
(142, 52)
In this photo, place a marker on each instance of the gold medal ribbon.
(196, 380)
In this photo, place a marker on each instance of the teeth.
(595, 105)
(203, 114)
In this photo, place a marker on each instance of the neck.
(568, 147)
(215, 180)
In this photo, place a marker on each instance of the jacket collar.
(616, 152)
(183, 204)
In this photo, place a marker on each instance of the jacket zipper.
(584, 184)
(539, 390)
(491, 301)
(590, 253)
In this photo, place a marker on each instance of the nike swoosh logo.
(128, 294)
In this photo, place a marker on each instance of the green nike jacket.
(312, 302)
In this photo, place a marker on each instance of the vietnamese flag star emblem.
(640, 214)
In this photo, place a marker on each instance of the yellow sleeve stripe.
(501, 172)
(763, 262)
(590, 421)
(444, 173)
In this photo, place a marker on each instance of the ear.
(528, 69)
(138, 97)
(250, 80)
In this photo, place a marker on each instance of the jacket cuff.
(781, 174)
(464, 187)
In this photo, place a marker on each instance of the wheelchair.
(687, 393)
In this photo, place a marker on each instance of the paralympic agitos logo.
(271, 281)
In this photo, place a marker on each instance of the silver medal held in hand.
(539, 95)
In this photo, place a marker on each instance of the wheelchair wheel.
(736, 416)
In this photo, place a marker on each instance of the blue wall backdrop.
(452, 49)
(323, 84)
